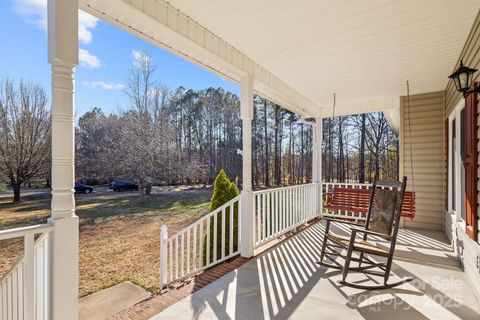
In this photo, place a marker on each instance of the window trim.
(455, 114)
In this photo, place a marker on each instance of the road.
(100, 192)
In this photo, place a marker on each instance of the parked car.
(83, 188)
(121, 185)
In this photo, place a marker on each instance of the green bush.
(223, 191)
(3, 187)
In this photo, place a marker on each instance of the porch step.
(107, 302)
(151, 307)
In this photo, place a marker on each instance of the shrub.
(3, 187)
(223, 191)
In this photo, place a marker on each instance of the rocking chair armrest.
(328, 219)
(370, 232)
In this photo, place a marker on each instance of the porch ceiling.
(362, 50)
(301, 52)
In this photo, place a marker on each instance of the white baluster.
(215, 220)
(222, 255)
(188, 250)
(231, 237)
(200, 248)
(29, 273)
(194, 262)
(207, 262)
(163, 255)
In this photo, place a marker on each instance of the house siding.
(471, 57)
(425, 145)
(467, 250)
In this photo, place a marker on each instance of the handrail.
(20, 259)
(296, 186)
(25, 285)
(281, 210)
(206, 242)
(205, 217)
(347, 184)
(24, 231)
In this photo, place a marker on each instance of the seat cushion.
(360, 245)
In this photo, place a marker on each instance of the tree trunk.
(330, 151)
(361, 160)
(148, 189)
(397, 160)
(265, 126)
(16, 191)
(340, 160)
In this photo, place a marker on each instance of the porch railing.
(205, 243)
(24, 288)
(280, 210)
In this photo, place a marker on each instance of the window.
(452, 166)
(456, 167)
(461, 168)
(462, 165)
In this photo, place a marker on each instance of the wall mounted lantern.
(462, 78)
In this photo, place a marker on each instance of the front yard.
(119, 233)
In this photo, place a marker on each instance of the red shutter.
(471, 160)
(446, 165)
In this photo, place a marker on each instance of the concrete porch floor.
(286, 283)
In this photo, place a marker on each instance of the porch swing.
(386, 202)
(356, 200)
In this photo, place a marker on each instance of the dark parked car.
(82, 188)
(120, 185)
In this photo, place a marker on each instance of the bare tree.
(141, 132)
(377, 129)
(24, 132)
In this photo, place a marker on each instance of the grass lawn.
(119, 233)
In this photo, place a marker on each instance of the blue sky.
(106, 56)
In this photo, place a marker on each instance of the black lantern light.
(462, 78)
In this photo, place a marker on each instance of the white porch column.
(63, 250)
(317, 162)
(247, 215)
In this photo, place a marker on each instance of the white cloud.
(137, 56)
(86, 23)
(140, 58)
(103, 85)
(88, 60)
(35, 12)
(32, 11)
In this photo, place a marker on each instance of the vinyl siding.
(471, 57)
(425, 147)
(467, 250)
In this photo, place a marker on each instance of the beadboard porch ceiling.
(364, 51)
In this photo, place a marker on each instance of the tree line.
(185, 136)
(359, 148)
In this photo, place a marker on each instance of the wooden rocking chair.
(383, 220)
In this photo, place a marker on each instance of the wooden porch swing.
(357, 200)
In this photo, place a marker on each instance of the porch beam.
(247, 214)
(163, 25)
(63, 247)
(363, 106)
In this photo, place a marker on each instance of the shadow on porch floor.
(286, 283)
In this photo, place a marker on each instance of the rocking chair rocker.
(383, 220)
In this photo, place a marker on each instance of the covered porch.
(421, 43)
(285, 282)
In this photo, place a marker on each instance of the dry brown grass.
(119, 237)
